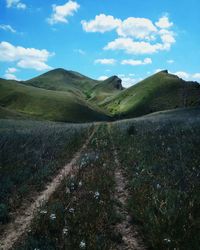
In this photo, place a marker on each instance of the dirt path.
(16, 229)
(130, 237)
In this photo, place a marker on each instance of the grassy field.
(159, 156)
(80, 214)
(31, 153)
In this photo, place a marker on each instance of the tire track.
(21, 224)
(131, 239)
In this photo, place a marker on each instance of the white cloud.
(136, 35)
(182, 74)
(102, 78)
(164, 23)
(196, 76)
(105, 61)
(136, 62)
(170, 61)
(140, 28)
(188, 76)
(33, 64)
(7, 27)
(128, 81)
(101, 23)
(134, 47)
(11, 77)
(25, 57)
(11, 70)
(62, 12)
(167, 37)
(10, 74)
(16, 4)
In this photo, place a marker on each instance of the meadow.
(159, 156)
(31, 154)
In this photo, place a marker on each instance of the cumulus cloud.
(134, 47)
(136, 62)
(102, 78)
(10, 74)
(128, 81)
(164, 23)
(188, 76)
(62, 12)
(101, 23)
(140, 28)
(135, 35)
(7, 27)
(25, 57)
(15, 4)
(105, 61)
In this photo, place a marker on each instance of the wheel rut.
(131, 239)
(23, 218)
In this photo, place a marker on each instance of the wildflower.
(43, 212)
(158, 186)
(82, 244)
(80, 184)
(167, 240)
(65, 231)
(52, 216)
(71, 210)
(96, 195)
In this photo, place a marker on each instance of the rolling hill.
(68, 96)
(20, 100)
(161, 91)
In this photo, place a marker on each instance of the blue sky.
(100, 38)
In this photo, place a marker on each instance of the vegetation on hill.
(21, 100)
(161, 91)
(61, 95)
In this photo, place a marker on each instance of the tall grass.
(31, 153)
(79, 215)
(161, 158)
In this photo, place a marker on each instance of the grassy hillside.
(159, 92)
(76, 83)
(62, 95)
(19, 99)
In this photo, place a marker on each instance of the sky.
(100, 38)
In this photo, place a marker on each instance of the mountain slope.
(161, 91)
(76, 83)
(21, 100)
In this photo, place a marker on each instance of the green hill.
(161, 91)
(61, 95)
(19, 100)
(76, 83)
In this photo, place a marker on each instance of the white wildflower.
(158, 186)
(43, 212)
(96, 195)
(52, 216)
(65, 231)
(71, 210)
(82, 244)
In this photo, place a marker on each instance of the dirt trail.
(16, 229)
(130, 236)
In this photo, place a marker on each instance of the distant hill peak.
(115, 81)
